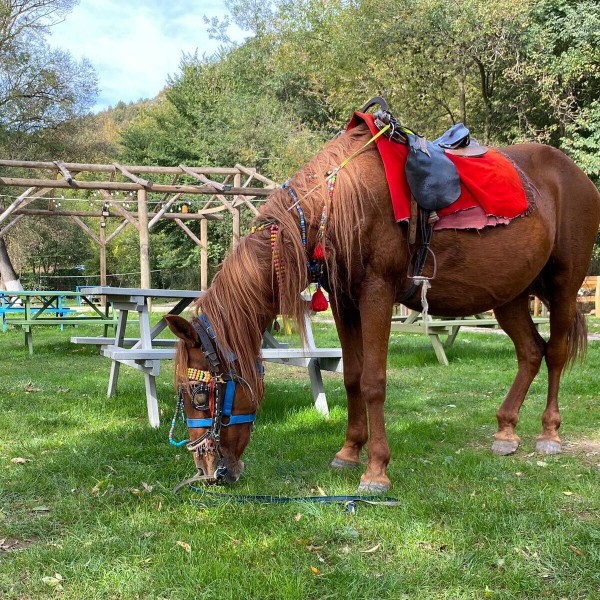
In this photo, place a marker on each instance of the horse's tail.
(577, 339)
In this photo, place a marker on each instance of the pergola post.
(142, 197)
(103, 252)
(237, 181)
(203, 255)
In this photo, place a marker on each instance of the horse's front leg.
(348, 323)
(376, 303)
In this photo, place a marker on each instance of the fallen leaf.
(314, 548)
(519, 474)
(40, 509)
(372, 550)
(18, 460)
(568, 493)
(315, 570)
(185, 546)
(135, 491)
(147, 534)
(302, 542)
(541, 463)
(30, 388)
(147, 488)
(577, 551)
(297, 517)
(53, 582)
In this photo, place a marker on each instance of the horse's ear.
(183, 329)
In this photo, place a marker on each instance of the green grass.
(471, 525)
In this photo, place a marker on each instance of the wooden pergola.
(225, 190)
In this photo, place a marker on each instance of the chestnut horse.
(545, 253)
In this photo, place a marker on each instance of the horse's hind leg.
(348, 323)
(530, 347)
(567, 329)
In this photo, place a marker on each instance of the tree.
(40, 88)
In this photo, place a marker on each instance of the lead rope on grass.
(349, 502)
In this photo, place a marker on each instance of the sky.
(134, 45)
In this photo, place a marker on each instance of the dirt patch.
(13, 544)
(587, 450)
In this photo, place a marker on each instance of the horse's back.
(552, 175)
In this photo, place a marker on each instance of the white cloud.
(134, 45)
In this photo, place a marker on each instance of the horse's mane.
(245, 294)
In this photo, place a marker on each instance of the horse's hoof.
(373, 487)
(340, 463)
(504, 447)
(548, 447)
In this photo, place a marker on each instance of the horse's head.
(218, 404)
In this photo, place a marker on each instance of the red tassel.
(318, 302)
(319, 252)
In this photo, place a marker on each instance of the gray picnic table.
(146, 352)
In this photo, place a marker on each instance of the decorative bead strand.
(178, 410)
(275, 253)
(198, 375)
(331, 179)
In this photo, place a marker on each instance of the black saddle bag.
(432, 176)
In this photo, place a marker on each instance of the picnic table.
(146, 352)
(25, 309)
(438, 327)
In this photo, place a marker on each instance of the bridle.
(212, 391)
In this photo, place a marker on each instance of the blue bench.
(17, 312)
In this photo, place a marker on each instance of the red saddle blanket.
(491, 190)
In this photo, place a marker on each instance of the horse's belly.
(477, 271)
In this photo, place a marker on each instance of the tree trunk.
(10, 279)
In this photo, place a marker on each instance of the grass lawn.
(86, 508)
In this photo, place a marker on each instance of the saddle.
(432, 177)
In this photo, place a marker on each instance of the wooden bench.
(590, 293)
(148, 360)
(434, 327)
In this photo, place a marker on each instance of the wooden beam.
(29, 164)
(236, 217)
(254, 175)
(41, 212)
(220, 187)
(163, 210)
(204, 255)
(103, 242)
(142, 201)
(117, 231)
(10, 225)
(86, 229)
(189, 232)
(144, 182)
(65, 172)
(119, 209)
(15, 204)
(125, 186)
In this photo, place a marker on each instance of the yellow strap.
(347, 160)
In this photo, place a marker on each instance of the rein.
(349, 502)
